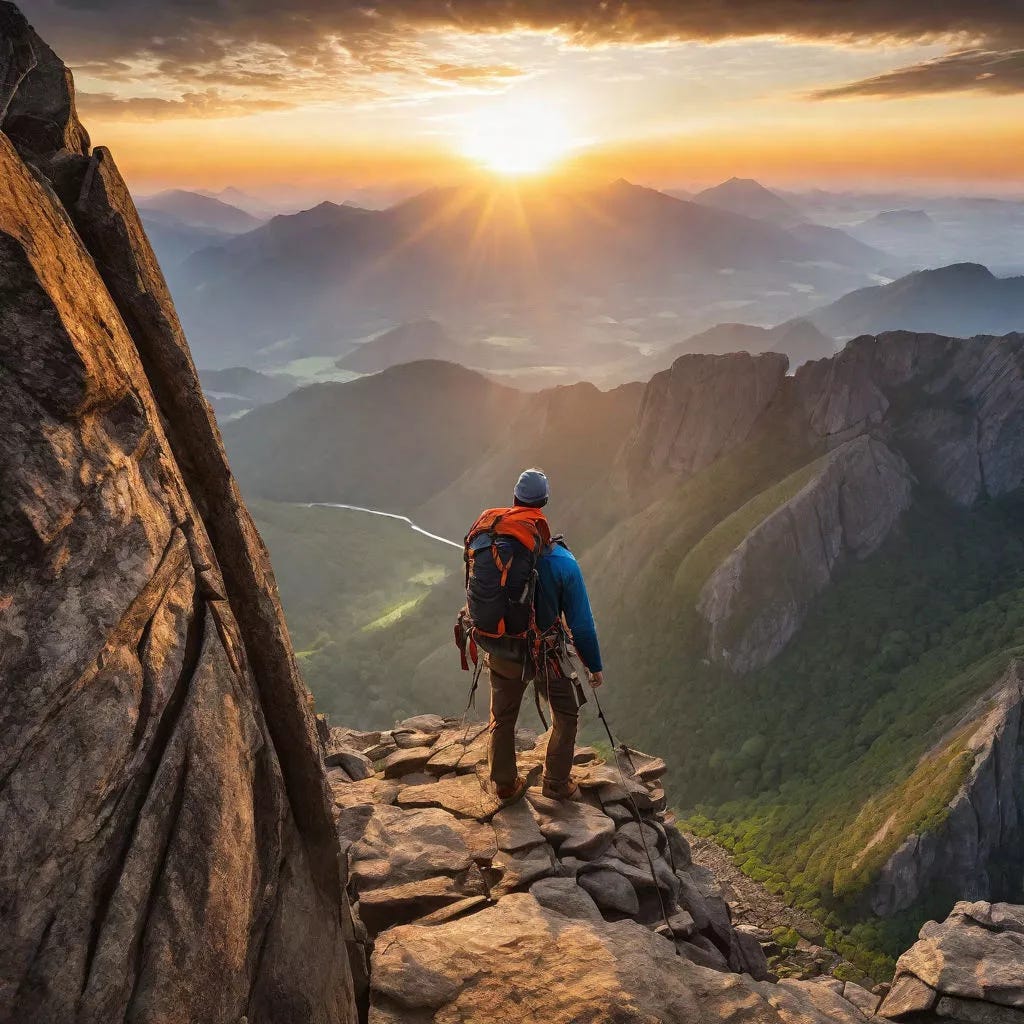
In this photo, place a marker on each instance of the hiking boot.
(567, 790)
(508, 795)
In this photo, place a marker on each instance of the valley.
(839, 707)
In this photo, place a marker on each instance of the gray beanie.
(532, 488)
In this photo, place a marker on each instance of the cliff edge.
(168, 848)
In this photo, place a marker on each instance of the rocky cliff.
(168, 849)
(852, 501)
(699, 409)
(475, 913)
(951, 405)
(967, 968)
(975, 853)
(939, 413)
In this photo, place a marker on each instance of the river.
(386, 515)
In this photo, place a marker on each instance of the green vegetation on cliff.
(814, 769)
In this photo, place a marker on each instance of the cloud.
(170, 23)
(476, 74)
(964, 70)
(326, 43)
(206, 104)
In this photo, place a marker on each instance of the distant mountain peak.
(961, 271)
(751, 198)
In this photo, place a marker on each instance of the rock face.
(756, 600)
(970, 854)
(475, 913)
(896, 413)
(968, 968)
(168, 849)
(701, 407)
(951, 406)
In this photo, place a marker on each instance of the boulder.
(635, 842)
(354, 739)
(407, 738)
(509, 872)
(550, 952)
(564, 897)
(747, 957)
(397, 846)
(404, 762)
(458, 751)
(423, 723)
(516, 827)
(908, 997)
(611, 892)
(355, 765)
(865, 1001)
(699, 949)
(369, 791)
(388, 905)
(574, 829)
(976, 954)
(460, 794)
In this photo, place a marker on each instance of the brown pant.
(507, 689)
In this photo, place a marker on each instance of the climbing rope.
(636, 813)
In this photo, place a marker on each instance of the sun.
(517, 139)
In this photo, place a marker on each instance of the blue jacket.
(560, 589)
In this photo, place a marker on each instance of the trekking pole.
(636, 814)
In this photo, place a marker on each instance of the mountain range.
(197, 210)
(963, 299)
(304, 284)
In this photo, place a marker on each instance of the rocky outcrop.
(475, 913)
(168, 852)
(978, 851)
(757, 598)
(951, 406)
(425, 839)
(968, 968)
(548, 954)
(700, 408)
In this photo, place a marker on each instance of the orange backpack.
(501, 552)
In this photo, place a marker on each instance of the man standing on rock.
(560, 597)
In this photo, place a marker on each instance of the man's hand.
(596, 679)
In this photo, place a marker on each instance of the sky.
(335, 97)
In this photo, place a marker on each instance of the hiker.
(547, 594)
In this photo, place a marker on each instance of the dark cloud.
(191, 105)
(329, 40)
(168, 23)
(987, 70)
